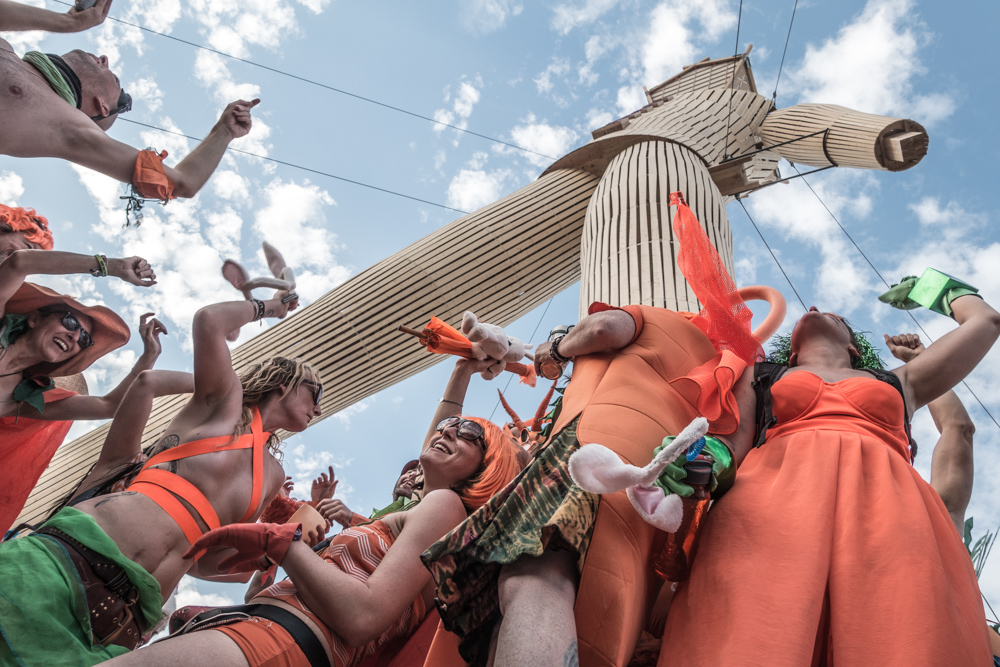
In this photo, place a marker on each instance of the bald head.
(99, 87)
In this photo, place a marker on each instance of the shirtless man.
(39, 122)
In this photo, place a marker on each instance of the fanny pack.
(112, 598)
(182, 622)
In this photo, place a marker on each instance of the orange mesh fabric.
(724, 318)
(149, 179)
(34, 227)
(501, 464)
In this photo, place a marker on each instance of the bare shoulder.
(438, 508)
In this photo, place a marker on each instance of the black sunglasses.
(70, 323)
(318, 393)
(467, 430)
(124, 104)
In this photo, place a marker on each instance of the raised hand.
(134, 270)
(150, 329)
(324, 486)
(235, 118)
(84, 19)
(335, 510)
(287, 486)
(905, 347)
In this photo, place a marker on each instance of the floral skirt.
(540, 508)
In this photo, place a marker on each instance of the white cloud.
(306, 466)
(344, 416)
(485, 16)
(22, 42)
(189, 595)
(567, 16)
(540, 136)
(146, 94)
(871, 65)
(557, 68)
(11, 188)
(229, 185)
(473, 187)
(595, 47)
(598, 118)
(930, 213)
(462, 105)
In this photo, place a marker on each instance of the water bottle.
(673, 563)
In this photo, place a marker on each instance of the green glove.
(898, 295)
(723, 470)
(933, 290)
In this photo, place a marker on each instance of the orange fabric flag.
(149, 179)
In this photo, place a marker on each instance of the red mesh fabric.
(724, 318)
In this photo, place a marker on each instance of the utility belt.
(182, 622)
(112, 598)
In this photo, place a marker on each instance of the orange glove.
(251, 541)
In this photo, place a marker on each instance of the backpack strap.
(765, 374)
(891, 378)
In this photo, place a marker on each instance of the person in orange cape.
(369, 586)
(43, 335)
(831, 549)
(547, 574)
(78, 95)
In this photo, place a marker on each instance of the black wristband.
(554, 351)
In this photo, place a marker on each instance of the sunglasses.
(467, 430)
(70, 323)
(124, 104)
(318, 393)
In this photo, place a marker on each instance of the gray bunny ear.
(235, 274)
(288, 276)
(275, 261)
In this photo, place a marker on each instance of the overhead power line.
(321, 85)
(309, 169)
(774, 95)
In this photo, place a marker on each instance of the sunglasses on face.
(467, 430)
(317, 393)
(70, 323)
(124, 104)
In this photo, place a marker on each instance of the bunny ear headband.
(597, 469)
(283, 280)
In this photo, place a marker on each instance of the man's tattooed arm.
(572, 656)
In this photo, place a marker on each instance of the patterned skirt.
(539, 509)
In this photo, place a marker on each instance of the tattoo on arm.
(269, 313)
(115, 496)
(572, 656)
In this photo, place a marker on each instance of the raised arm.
(453, 398)
(946, 362)
(23, 263)
(16, 17)
(600, 332)
(360, 611)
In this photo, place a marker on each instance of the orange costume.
(356, 551)
(830, 549)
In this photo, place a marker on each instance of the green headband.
(781, 349)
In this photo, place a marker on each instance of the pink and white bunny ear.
(661, 510)
(275, 262)
(235, 274)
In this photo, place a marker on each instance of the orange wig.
(34, 227)
(501, 464)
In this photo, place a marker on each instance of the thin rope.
(773, 256)
(774, 95)
(321, 85)
(529, 342)
(732, 90)
(309, 169)
(884, 282)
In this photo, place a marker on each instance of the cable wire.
(773, 256)
(884, 282)
(308, 169)
(732, 90)
(321, 85)
(774, 95)
(529, 342)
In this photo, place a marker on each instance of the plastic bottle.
(673, 563)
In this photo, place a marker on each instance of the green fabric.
(722, 468)
(52, 75)
(934, 290)
(29, 390)
(399, 504)
(43, 613)
(11, 327)
(898, 296)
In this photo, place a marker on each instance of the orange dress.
(830, 549)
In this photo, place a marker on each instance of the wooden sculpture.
(603, 210)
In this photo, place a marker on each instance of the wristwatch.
(554, 350)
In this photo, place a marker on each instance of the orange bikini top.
(164, 487)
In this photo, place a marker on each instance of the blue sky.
(542, 76)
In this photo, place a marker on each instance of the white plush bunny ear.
(469, 320)
(275, 262)
(235, 274)
(273, 283)
(657, 508)
(288, 276)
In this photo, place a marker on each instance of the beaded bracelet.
(259, 306)
(102, 267)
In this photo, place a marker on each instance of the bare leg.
(537, 596)
(207, 647)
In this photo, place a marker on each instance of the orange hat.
(34, 227)
(501, 463)
(110, 331)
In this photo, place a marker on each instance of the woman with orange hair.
(22, 229)
(369, 585)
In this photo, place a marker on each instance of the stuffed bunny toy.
(490, 342)
(283, 280)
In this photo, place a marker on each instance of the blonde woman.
(91, 581)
